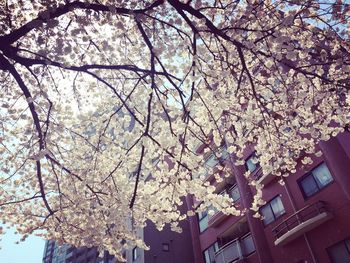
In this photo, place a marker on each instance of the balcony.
(218, 216)
(236, 250)
(216, 219)
(212, 160)
(231, 252)
(301, 222)
(261, 178)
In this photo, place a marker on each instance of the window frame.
(215, 247)
(134, 254)
(165, 247)
(257, 165)
(344, 242)
(200, 218)
(310, 174)
(268, 204)
(241, 241)
(212, 157)
(229, 190)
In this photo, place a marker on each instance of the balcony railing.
(216, 219)
(300, 222)
(218, 216)
(212, 159)
(236, 250)
(262, 178)
(228, 253)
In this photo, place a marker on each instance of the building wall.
(48, 251)
(311, 246)
(139, 256)
(54, 253)
(166, 246)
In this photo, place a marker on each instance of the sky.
(30, 251)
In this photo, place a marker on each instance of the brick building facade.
(306, 220)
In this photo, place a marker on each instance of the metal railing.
(236, 249)
(229, 252)
(306, 213)
(258, 173)
(218, 213)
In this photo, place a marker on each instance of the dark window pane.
(206, 256)
(309, 185)
(134, 254)
(216, 247)
(339, 253)
(247, 245)
(316, 180)
(212, 253)
(209, 253)
(266, 212)
(322, 175)
(165, 247)
(202, 214)
(203, 223)
(272, 210)
(347, 243)
(277, 207)
(224, 154)
(251, 163)
(211, 161)
(234, 193)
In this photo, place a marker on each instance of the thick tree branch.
(56, 12)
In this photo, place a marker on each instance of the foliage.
(104, 104)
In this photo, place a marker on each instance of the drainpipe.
(291, 200)
(310, 249)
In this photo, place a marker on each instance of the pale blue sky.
(30, 251)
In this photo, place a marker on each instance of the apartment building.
(305, 220)
(166, 246)
(54, 253)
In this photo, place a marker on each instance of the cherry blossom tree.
(104, 105)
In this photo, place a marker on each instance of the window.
(252, 163)
(209, 164)
(134, 254)
(209, 253)
(233, 192)
(165, 247)
(223, 153)
(247, 245)
(214, 159)
(340, 252)
(272, 210)
(211, 161)
(203, 220)
(314, 181)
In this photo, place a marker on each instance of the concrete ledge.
(303, 227)
(266, 179)
(216, 219)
